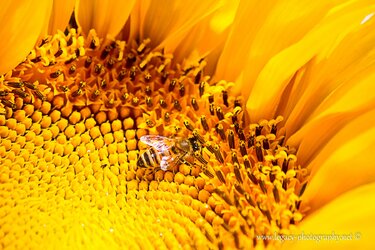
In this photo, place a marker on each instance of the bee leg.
(203, 167)
(179, 160)
(185, 162)
(151, 171)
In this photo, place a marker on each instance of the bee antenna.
(198, 136)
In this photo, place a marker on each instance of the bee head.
(194, 144)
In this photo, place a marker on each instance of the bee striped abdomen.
(146, 157)
(149, 158)
(154, 156)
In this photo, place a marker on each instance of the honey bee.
(166, 153)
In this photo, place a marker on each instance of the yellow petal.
(106, 17)
(61, 13)
(352, 98)
(136, 20)
(241, 37)
(274, 77)
(312, 138)
(208, 36)
(22, 23)
(344, 223)
(167, 22)
(333, 75)
(344, 163)
(274, 26)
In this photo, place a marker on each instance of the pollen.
(74, 112)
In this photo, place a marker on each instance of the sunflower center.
(72, 115)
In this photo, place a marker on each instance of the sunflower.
(274, 100)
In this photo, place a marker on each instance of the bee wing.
(160, 143)
(169, 161)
